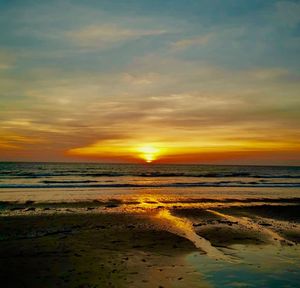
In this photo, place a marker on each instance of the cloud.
(188, 42)
(154, 92)
(146, 79)
(269, 74)
(15, 141)
(7, 60)
(101, 36)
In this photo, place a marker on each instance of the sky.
(193, 81)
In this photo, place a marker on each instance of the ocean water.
(62, 180)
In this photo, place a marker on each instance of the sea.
(78, 181)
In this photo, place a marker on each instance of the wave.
(28, 175)
(14, 175)
(74, 184)
(68, 181)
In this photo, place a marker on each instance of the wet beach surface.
(151, 243)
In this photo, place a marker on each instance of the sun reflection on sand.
(179, 226)
(184, 228)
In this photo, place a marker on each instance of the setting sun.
(149, 153)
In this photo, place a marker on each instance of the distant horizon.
(147, 164)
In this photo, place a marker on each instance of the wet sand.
(148, 243)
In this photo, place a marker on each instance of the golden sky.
(173, 82)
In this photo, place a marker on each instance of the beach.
(84, 225)
(147, 244)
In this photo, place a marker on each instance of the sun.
(148, 152)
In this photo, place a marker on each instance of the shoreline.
(146, 243)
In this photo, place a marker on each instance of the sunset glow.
(148, 153)
(146, 84)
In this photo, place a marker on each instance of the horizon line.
(150, 164)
